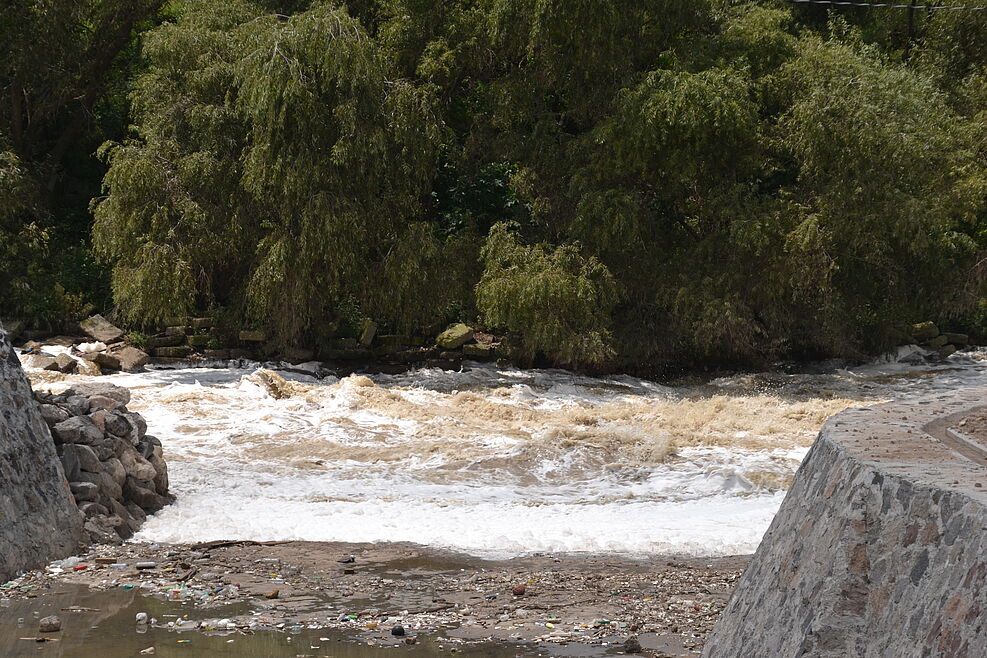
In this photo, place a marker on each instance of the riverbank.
(592, 603)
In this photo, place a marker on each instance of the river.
(494, 461)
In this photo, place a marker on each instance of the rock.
(480, 351)
(42, 362)
(87, 368)
(367, 332)
(84, 491)
(99, 417)
(179, 352)
(518, 590)
(85, 456)
(923, 331)
(65, 363)
(13, 328)
(51, 624)
(93, 509)
(99, 328)
(107, 485)
(171, 340)
(78, 429)
(937, 342)
(143, 496)
(200, 340)
(297, 355)
(219, 355)
(103, 402)
(161, 470)
(252, 336)
(70, 462)
(53, 414)
(398, 631)
(129, 524)
(136, 466)
(107, 361)
(113, 391)
(138, 426)
(454, 337)
(131, 359)
(114, 468)
(77, 405)
(273, 594)
(175, 321)
(945, 351)
(176, 331)
(100, 530)
(117, 424)
(632, 645)
(202, 323)
(957, 339)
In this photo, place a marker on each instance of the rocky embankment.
(115, 469)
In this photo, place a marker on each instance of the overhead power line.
(885, 5)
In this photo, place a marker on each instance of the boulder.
(479, 351)
(78, 429)
(202, 323)
(92, 509)
(454, 337)
(84, 455)
(176, 331)
(169, 340)
(84, 491)
(219, 355)
(117, 424)
(252, 336)
(118, 393)
(70, 462)
(945, 351)
(161, 470)
(131, 359)
(367, 332)
(141, 494)
(53, 414)
(937, 342)
(957, 339)
(199, 340)
(77, 405)
(136, 466)
(13, 328)
(114, 467)
(107, 361)
(923, 331)
(178, 352)
(104, 403)
(99, 328)
(65, 363)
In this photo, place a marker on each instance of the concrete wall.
(880, 547)
(38, 517)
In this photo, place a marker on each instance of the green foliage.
(756, 181)
(554, 300)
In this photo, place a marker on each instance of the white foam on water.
(494, 461)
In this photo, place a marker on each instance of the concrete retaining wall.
(880, 547)
(38, 517)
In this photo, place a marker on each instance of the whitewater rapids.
(493, 461)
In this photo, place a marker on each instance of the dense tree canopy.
(609, 182)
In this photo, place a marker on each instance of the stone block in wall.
(155, 342)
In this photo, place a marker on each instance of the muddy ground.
(399, 594)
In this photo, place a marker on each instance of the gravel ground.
(666, 604)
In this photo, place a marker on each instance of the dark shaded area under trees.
(610, 183)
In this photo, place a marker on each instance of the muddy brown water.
(102, 623)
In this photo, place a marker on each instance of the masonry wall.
(39, 520)
(879, 549)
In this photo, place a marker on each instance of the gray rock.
(107, 361)
(84, 491)
(161, 470)
(70, 462)
(117, 424)
(65, 363)
(78, 429)
(50, 624)
(99, 530)
(53, 414)
(141, 494)
(106, 484)
(173, 340)
(103, 402)
(138, 427)
(250, 336)
(114, 467)
(136, 466)
(99, 328)
(76, 405)
(118, 393)
(92, 509)
(84, 455)
(131, 359)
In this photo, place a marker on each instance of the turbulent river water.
(495, 461)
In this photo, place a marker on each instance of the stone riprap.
(115, 469)
(880, 547)
(39, 520)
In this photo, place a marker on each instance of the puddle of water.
(106, 628)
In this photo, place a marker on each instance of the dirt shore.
(596, 603)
